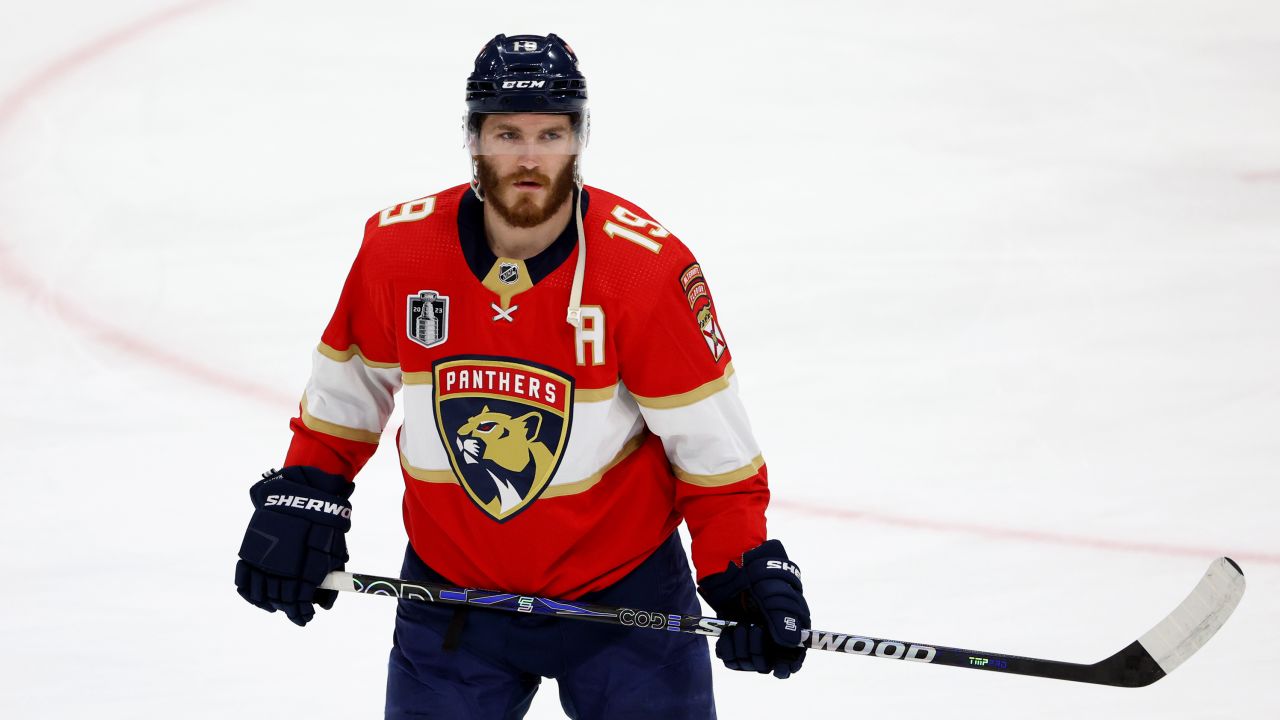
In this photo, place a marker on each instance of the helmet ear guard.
(475, 179)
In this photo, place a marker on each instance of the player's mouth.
(527, 185)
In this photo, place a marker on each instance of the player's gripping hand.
(295, 537)
(765, 592)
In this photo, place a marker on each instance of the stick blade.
(1198, 617)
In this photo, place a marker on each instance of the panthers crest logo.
(505, 424)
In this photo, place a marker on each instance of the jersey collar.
(475, 248)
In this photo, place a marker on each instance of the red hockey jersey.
(538, 457)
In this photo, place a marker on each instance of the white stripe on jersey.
(708, 441)
(349, 394)
(600, 429)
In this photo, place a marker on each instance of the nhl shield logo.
(428, 318)
(508, 273)
(505, 424)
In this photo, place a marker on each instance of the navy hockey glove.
(765, 592)
(295, 537)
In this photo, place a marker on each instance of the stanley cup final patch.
(505, 424)
(428, 318)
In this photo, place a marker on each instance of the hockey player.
(568, 400)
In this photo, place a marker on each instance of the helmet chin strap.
(574, 316)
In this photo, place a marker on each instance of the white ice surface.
(992, 272)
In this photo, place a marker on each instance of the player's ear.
(536, 417)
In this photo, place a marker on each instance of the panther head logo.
(505, 424)
(509, 449)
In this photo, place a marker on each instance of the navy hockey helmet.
(527, 74)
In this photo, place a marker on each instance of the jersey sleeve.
(355, 374)
(674, 360)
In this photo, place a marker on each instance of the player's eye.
(508, 136)
(552, 135)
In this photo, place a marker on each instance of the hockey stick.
(1144, 661)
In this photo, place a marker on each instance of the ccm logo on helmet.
(508, 84)
(782, 565)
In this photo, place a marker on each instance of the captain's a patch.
(505, 424)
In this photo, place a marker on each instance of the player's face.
(526, 165)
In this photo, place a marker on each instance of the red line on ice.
(1032, 536)
(1260, 176)
(28, 285)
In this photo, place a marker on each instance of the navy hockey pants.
(603, 671)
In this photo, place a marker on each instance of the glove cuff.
(316, 478)
(724, 591)
(769, 561)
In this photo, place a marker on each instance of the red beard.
(525, 212)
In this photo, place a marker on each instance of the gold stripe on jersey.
(431, 476)
(587, 395)
(345, 355)
(416, 378)
(589, 482)
(324, 426)
(724, 478)
(703, 391)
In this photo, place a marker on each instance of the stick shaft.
(1131, 667)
